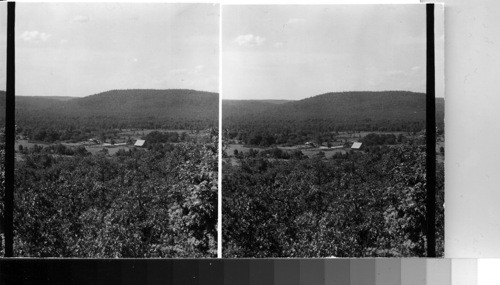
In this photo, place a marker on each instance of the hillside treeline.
(287, 137)
(70, 118)
(382, 111)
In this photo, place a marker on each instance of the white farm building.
(140, 143)
(356, 145)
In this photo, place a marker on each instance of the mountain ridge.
(362, 109)
(167, 108)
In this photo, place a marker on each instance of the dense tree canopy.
(363, 204)
(160, 202)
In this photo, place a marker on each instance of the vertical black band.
(10, 131)
(431, 137)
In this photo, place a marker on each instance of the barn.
(310, 144)
(356, 145)
(140, 143)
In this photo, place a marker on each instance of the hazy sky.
(293, 52)
(75, 49)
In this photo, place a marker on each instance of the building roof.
(356, 145)
(139, 143)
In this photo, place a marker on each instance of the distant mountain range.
(180, 105)
(337, 108)
(123, 106)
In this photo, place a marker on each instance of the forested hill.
(386, 110)
(144, 108)
(232, 108)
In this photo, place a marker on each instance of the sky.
(294, 52)
(80, 49)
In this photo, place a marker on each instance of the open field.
(111, 150)
(121, 138)
(305, 150)
(328, 152)
(92, 149)
(27, 144)
(337, 145)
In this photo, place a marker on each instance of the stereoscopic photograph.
(324, 131)
(116, 151)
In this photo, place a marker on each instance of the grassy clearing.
(307, 151)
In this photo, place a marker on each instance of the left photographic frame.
(116, 143)
(5, 159)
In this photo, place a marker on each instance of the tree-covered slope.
(330, 110)
(175, 108)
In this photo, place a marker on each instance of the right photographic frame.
(329, 147)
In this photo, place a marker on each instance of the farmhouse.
(310, 144)
(356, 145)
(140, 143)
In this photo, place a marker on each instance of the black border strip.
(10, 131)
(431, 136)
